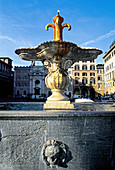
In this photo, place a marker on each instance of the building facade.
(100, 79)
(21, 81)
(30, 81)
(87, 79)
(83, 75)
(6, 78)
(109, 71)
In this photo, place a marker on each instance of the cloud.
(100, 38)
(16, 42)
(7, 38)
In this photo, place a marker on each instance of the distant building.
(6, 78)
(109, 70)
(84, 78)
(30, 81)
(100, 79)
(87, 79)
(21, 81)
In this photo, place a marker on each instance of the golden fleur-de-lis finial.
(58, 11)
(58, 27)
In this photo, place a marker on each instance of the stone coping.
(54, 114)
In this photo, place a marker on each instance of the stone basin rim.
(54, 114)
(65, 49)
(56, 42)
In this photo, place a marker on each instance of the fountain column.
(58, 80)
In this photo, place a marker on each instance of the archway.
(84, 92)
(37, 91)
(77, 91)
(92, 93)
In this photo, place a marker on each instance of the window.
(84, 74)
(92, 61)
(107, 76)
(84, 81)
(110, 84)
(92, 80)
(107, 68)
(84, 67)
(110, 66)
(69, 72)
(110, 75)
(76, 74)
(77, 67)
(99, 78)
(92, 74)
(99, 71)
(92, 67)
(37, 82)
(99, 86)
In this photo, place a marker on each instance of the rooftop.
(109, 51)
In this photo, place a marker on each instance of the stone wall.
(44, 140)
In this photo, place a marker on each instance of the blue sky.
(22, 24)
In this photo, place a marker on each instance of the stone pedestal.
(58, 105)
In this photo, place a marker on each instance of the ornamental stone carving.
(56, 153)
(57, 79)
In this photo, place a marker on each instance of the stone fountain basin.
(65, 50)
(88, 135)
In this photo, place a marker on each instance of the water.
(21, 106)
(94, 106)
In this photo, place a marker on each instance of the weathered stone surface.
(90, 137)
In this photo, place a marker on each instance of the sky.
(22, 24)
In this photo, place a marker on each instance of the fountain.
(58, 56)
(64, 139)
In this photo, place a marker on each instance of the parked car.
(106, 99)
(75, 96)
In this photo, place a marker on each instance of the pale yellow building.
(109, 71)
(87, 79)
(84, 78)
